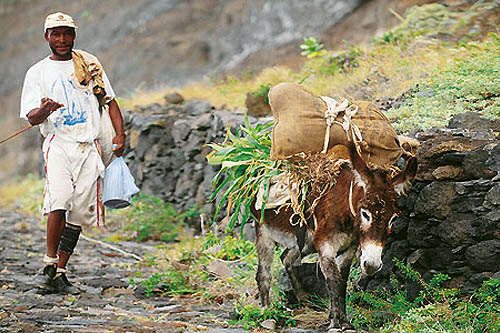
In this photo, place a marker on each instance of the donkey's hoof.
(346, 328)
(334, 328)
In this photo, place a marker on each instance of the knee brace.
(69, 238)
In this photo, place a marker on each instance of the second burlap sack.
(300, 126)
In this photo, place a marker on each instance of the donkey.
(356, 213)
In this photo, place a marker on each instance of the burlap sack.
(300, 126)
(106, 135)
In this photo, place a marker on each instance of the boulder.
(257, 105)
(174, 98)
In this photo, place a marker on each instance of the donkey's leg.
(344, 261)
(328, 265)
(265, 252)
(291, 259)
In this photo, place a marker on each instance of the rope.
(351, 129)
(333, 109)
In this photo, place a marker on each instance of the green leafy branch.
(245, 166)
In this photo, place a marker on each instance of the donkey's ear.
(402, 181)
(362, 172)
(357, 161)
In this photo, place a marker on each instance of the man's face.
(60, 41)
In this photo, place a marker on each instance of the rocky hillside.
(150, 43)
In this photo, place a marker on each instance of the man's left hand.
(118, 144)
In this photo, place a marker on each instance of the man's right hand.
(38, 115)
(48, 105)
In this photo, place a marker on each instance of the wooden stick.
(27, 127)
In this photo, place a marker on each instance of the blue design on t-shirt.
(72, 112)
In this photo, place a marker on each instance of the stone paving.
(107, 303)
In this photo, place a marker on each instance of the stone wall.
(166, 149)
(450, 221)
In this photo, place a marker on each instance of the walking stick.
(27, 127)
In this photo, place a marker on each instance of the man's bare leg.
(55, 227)
(67, 243)
(61, 240)
(63, 259)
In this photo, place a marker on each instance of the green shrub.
(346, 59)
(172, 282)
(264, 91)
(251, 316)
(343, 61)
(390, 37)
(468, 84)
(231, 248)
(312, 47)
(435, 309)
(150, 218)
(184, 276)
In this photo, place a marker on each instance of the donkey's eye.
(366, 217)
(393, 218)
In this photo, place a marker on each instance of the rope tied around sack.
(351, 129)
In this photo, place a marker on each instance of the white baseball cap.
(59, 20)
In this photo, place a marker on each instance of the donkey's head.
(373, 204)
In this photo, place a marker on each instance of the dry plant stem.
(231, 261)
(112, 247)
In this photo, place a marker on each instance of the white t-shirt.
(79, 119)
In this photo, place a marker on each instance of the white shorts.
(73, 180)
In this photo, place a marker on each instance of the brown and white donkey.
(356, 213)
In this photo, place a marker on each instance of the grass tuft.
(23, 195)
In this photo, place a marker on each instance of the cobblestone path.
(107, 302)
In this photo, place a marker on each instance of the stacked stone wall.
(450, 221)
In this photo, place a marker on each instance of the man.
(68, 113)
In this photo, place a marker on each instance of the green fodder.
(246, 169)
(245, 164)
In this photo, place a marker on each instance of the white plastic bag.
(119, 185)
